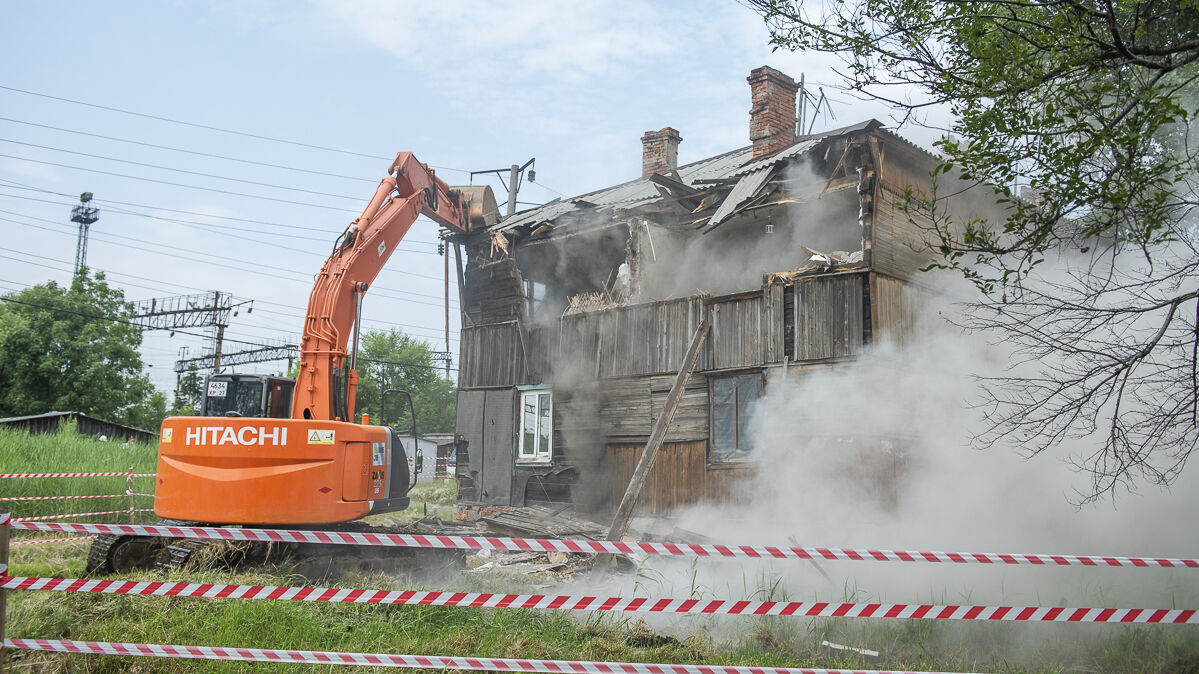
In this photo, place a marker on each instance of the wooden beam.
(461, 282)
(628, 504)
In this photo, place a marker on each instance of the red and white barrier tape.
(604, 547)
(53, 540)
(406, 661)
(133, 493)
(26, 476)
(42, 518)
(59, 498)
(806, 609)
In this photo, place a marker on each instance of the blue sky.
(465, 86)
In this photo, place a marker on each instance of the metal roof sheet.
(737, 163)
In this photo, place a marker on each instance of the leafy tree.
(390, 359)
(70, 349)
(1087, 104)
(189, 392)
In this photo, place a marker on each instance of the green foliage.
(1086, 104)
(393, 360)
(68, 349)
(189, 393)
(1090, 278)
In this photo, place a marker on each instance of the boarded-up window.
(733, 402)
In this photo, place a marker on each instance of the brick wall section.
(772, 117)
(660, 151)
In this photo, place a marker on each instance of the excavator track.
(177, 553)
(122, 554)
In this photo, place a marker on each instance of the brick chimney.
(772, 117)
(660, 151)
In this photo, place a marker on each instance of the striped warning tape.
(42, 518)
(406, 661)
(39, 541)
(59, 498)
(602, 547)
(809, 609)
(27, 476)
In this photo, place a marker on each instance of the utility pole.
(445, 254)
(515, 173)
(84, 215)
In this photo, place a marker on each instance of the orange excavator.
(273, 451)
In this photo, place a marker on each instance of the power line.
(191, 152)
(184, 332)
(106, 202)
(175, 184)
(214, 128)
(105, 239)
(177, 170)
(297, 314)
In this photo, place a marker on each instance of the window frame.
(738, 455)
(540, 454)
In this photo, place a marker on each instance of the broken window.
(733, 401)
(536, 426)
(534, 298)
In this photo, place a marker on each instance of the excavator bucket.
(481, 206)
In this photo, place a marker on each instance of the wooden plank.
(628, 503)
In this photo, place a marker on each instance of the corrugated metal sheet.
(801, 148)
(631, 194)
(743, 191)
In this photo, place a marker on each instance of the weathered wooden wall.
(639, 339)
(828, 316)
(680, 477)
(491, 355)
(492, 292)
(897, 308)
(628, 408)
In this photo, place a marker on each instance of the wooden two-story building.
(798, 251)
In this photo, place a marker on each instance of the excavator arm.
(317, 466)
(326, 384)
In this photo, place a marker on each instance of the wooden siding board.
(736, 333)
(828, 317)
(490, 355)
(900, 248)
(680, 477)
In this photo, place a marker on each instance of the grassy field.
(917, 645)
(69, 452)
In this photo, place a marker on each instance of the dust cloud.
(733, 257)
(877, 454)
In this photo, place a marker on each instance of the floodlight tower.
(85, 215)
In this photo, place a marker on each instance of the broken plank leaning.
(628, 504)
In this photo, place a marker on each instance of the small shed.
(86, 425)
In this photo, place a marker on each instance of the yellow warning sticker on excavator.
(166, 434)
(319, 437)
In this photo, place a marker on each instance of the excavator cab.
(247, 395)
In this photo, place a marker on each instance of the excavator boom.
(317, 466)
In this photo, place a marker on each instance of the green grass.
(69, 452)
(913, 644)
